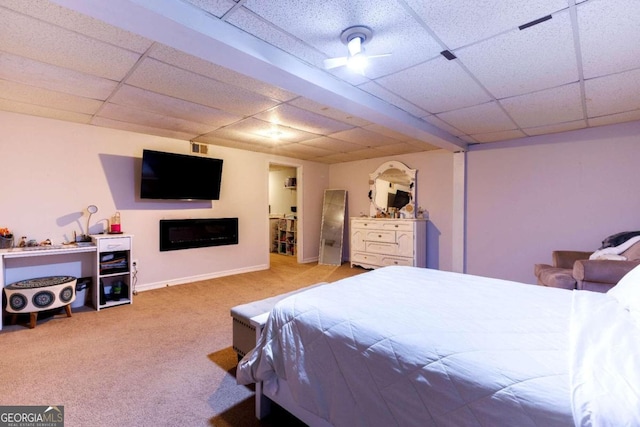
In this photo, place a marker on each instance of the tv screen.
(179, 176)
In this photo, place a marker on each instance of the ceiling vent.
(536, 22)
(199, 148)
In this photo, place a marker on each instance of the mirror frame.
(409, 210)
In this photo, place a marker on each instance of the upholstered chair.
(574, 270)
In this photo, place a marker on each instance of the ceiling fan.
(355, 38)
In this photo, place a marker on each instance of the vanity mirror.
(392, 189)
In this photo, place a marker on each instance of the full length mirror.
(332, 228)
(392, 190)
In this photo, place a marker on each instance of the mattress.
(418, 347)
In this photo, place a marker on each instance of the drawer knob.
(379, 235)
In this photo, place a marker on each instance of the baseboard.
(200, 277)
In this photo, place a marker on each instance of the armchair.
(574, 270)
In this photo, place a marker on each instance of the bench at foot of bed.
(244, 333)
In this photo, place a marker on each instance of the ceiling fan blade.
(335, 62)
(382, 55)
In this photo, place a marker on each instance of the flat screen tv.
(179, 176)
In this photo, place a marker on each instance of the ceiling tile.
(555, 128)
(82, 24)
(397, 149)
(172, 107)
(275, 36)
(337, 158)
(214, 140)
(302, 119)
(479, 119)
(363, 137)
(308, 151)
(467, 139)
(609, 29)
(47, 98)
(38, 110)
(205, 68)
(331, 144)
(519, 62)
(480, 19)
(387, 132)
(333, 113)
(51, 44)
(162, 78)
(149, 119)
(216, 7)
(422, 145)
(613, 94)
(382, 93)
(258, 131)
(556, 105)
(34, 73)
(140, 128)
(434, 120)
(435, 86)
(615, 118)
(498, 136)
(300, 151)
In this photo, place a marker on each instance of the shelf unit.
(113, 271)
(287, 238)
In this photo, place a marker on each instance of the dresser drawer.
(382, 248)
(366, 258)
(382, 225)
(388, 260)
(393, 225)
(380, 236)
(115, 244)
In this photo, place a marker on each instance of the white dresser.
(378, 242)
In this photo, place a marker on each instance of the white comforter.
(418, 347)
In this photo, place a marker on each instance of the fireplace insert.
(197, 233)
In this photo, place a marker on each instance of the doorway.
(284, 228)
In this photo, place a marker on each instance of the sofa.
(574, 269)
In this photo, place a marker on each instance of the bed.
(410, 346)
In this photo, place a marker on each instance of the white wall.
(525, 198)
(51, 170)
(434, 192)
(563, 191)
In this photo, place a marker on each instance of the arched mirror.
(393, 190)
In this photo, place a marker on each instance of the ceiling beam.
(191, 30)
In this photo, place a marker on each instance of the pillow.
(627, 292)
(618, 239)
(611, 257)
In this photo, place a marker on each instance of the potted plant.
(6, 238)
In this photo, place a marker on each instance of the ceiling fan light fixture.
(358, 62)
(354, 38)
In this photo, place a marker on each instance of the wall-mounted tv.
(179, 176)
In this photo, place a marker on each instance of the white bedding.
(417, 347)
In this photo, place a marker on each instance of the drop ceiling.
(249, 74)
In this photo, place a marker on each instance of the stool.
(244, 333)
(43, 293)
